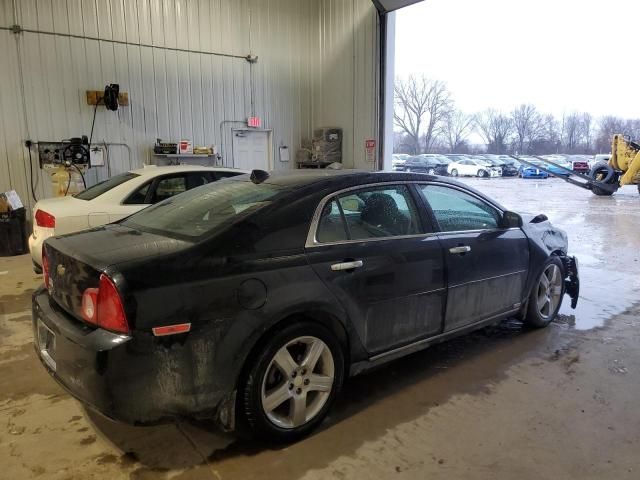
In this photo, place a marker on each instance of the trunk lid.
(76, 261)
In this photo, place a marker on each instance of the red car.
(581, 166)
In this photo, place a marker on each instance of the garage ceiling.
(390, 5)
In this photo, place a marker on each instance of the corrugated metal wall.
(316, 67)
(347, 84)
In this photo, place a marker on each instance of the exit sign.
(254, 122)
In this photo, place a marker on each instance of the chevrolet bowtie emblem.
(60, 270)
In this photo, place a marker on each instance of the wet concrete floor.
(504, 402)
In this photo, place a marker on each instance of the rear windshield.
(202, 210)
(103, 187)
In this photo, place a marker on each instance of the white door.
(251, 149)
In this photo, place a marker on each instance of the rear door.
(375, 252)
(487, 265)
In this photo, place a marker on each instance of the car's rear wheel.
(546, 296)
(454, 172)
(292, 382)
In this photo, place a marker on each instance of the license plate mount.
(47, 345)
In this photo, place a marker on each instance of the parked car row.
(490, 166)
(484, 166)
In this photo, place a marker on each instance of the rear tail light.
(103, 307)
(45, 267)
(44, 219)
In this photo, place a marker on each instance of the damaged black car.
(251, 300)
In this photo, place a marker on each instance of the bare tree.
(571, 131)
(608, 126)
(495, 128)
(527, 124)
(547, 139)
(456, 128)
(420, 107)
(586, 125)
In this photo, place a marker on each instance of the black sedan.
(430, 164)
(250, 300)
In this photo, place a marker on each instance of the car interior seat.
(381, 211)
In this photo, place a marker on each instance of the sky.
(560, 55)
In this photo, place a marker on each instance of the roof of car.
(153, 170)
(346, 176)
(333, 180)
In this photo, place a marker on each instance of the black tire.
(534, 317)
(602, 172)
(255, 421)
(601, 192)
(483, 173)
(454, 173)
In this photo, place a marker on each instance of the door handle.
(460, 249)
(338, 267)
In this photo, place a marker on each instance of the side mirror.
(511, 220)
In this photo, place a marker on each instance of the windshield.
(200, 211)
(103, 187)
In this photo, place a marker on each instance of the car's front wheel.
(546, 296)
(292, 382)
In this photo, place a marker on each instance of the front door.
(487, 265)
(373, 252)
(251, 149)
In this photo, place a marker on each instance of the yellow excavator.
(604, 179)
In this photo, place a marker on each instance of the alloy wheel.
(549, 291)
(298, 382)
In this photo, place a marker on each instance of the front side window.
(168, 187)
(374, 212)
(458, 211)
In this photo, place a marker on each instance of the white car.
(114, 199)
(474, 168)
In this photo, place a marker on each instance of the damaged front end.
(572, 279)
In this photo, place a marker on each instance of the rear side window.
(139, 197)
(103, 187)
(331, 227)
(458, 211)
(375, 212)
(200, 211)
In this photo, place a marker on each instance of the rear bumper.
(133, 379)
